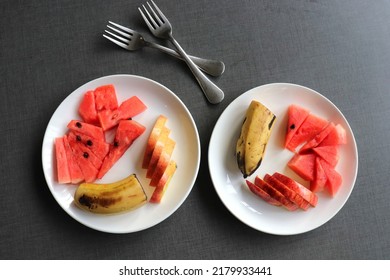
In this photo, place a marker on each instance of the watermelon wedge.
(298, 188)
(87, 168)
(87, 129)
(127, 132)
(328, 153)
(87, 108)
(127, 110)
(309, 128)
(296, 116)
(63, 175)
(334, 178)
(338, 136)
(80, 148)
(76, 176)
(105, 98)
(287, 192)
(303, 165)
(261, 193)
(98, 148)
(314, 142)
(318, 184)
(275, 194)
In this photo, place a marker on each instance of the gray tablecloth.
(50, 48)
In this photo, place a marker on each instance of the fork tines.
(151, 20)
(125, 33)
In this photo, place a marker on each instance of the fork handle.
(209, 66)
(213, 93)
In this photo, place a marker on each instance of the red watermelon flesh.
(105, 98)
(334, 178)
(131, 107)
(87, 168)
(296, 116)
(98, 148)
(309, 128)
(76, 176)
(261, 193)
(63, 175)
(127, 110)
(337, 136)
(109, 118)
(87, 108)
(127, 132)
(87, 129)
(275, 194)
(287, 192)
(318, 184)
(80, 148)
(328, 153)
(306, 194)
(303, 165)
(317, 138)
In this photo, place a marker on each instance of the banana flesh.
(255, 133)
(120, 196)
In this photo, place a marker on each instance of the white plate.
(159, 100)
(229, 182)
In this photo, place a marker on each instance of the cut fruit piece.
(261, 193)
(338, 136)
(275, 194)
(287, 192)
(124, 195)
(105, 98)
(328, 153)
(98, 148)
(80, 148)
(334, 178)
(76, 176)
(127, 110)
(318, 184)
(63, 175)
(163, 183)
(131, 107)
(87, 168)
(87, 129)
(317, 138)
(127, 132)
(298, 188)
(255, 133)
(303, 165)
(163, 162)
(87, 108)
(152, 140)
(162, 139)
(108, 118)
(296, 116)
(309, 128)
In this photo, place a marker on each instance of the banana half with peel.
(255, 133)
(120, 196)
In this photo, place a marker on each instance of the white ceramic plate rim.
(159, 100)
(229, 183)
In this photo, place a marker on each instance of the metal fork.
(161, 28)
(132, 40)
